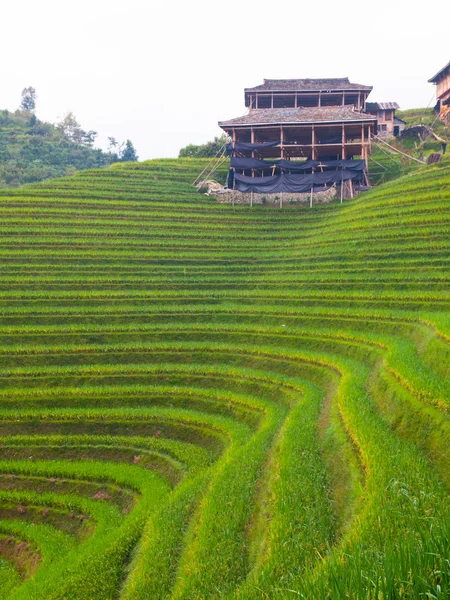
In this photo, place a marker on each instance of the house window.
(383, 127)
(388, 115)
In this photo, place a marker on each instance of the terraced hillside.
(201, 402)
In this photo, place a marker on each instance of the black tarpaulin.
(245, 146)
(249, 163)
(286, 165)
(353, 165)
(293, 166)
(286, 182)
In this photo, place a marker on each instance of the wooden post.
(257, 100)
(281, 142)
(342, 187)
(296, 99)
(343, 141)
(310, 199)
(252, 139)
(251, 199)
(343, 98)
(313, 140)
(320, 99)
(351, 188)
(271, 104)
(281, 199)
(363, 144)
(234, 187)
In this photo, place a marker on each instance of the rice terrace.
(200, 401)
(239, 394)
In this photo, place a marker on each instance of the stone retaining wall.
(235, 197)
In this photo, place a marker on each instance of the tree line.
(207, 150)
(32, 150)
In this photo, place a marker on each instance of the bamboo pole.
(399, 151)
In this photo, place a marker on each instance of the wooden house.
(296, 93)
(310, 118)
(388, 124)
(399, 125)
(442, 82)
(296, 127)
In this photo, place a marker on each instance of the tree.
(28, 98)
(114, 148)
(207, 150)
(89, 138)
(71, 128)
(128, 154)
(113, 145)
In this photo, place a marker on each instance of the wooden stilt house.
(298, 127)
(442, 82)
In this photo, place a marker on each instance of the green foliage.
(128, 154)
(32, 150)
(203, 401)
(385, 165)
(207, 150)
(28, 99)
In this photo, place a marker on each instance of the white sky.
(163, 73)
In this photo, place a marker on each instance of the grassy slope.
(386, 166)
(198, 401)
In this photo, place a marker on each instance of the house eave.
(435, 78)
(235, 126)
(366, 89)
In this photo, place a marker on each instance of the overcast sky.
(163, 73)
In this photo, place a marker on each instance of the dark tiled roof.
(263, 116)
(382, 106)
(440, 74)
(311, 85)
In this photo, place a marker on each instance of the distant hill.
(32, 150)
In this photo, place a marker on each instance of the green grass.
(205, 401)
(386, 165)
